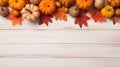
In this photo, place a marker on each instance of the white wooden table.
(62, 44)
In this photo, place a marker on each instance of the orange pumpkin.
(117, 12)
(58, 4)
(114, 3)
(66, 10)
(16, 13)
(84, 4)
(17, 4)
(47, 6)
(4, 2)
(67, 3)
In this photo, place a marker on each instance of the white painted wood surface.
(58, 62)
(60, 50)
(62, 44)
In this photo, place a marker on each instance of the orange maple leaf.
(15, 20)
(97, 15)
(60, 14)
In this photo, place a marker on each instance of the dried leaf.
(60, 14)
(15, 20)
(82, 19)
(45, 19)
(97, 15)
(116, 19)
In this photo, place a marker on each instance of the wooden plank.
(6, 24)
(61, 50)
(59, 36)
(55, 62)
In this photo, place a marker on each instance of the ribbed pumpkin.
(30, 12)
(98, 4)
(84, 4)
(4, 2)
(17, 4)
(114, 3)
(35, 1)
(47, 6)
(107, 11)
(67, 3)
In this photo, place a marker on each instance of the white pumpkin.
(99, 4)
(31, 12)
(35, 1)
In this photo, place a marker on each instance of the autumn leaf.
(15, 20)
(82, 19)
(115, 19)
(97, 15)
(60, 14)
(45, 19)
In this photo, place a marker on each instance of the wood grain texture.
(60, 36)
(61, 50)
(56, 62)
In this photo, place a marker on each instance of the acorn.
(74, 11)
(4, 11)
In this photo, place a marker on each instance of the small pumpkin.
(17, 4)
(16, 13)
(117, 12)
(67, 3)
(84, 4)
(74, 11)
(4, 11)
(4, 2)
(107, 11)
(99, 4)
(47, 6)
(114, 3)
(66, 10)
(35, 1)
(31, 12)
(58, 4)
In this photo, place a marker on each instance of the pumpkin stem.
(2, 9)
(109, 9)
(85, 0)
(48, 6)
(29, 11)
(16, 1)
(76, 8)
